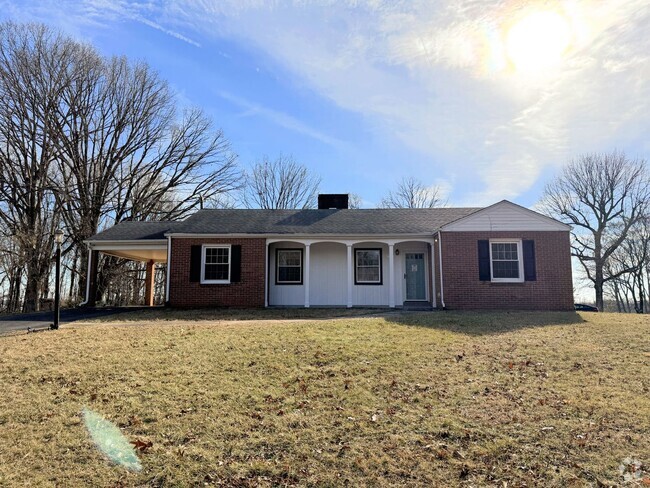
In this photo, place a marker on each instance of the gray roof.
(292, 222)
(322, 222)
(135, 231)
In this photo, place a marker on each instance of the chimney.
(327, 201)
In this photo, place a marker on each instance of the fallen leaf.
(141, 445)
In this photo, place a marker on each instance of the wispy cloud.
(169, 32)
(435, 77)
(279, 118)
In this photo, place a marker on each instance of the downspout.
(442, 288)
(90, 257)
(169, 261)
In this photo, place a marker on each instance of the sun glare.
(538, 41)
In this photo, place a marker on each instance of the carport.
(136, 241)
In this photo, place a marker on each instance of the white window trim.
(277, 266)
(356, 266)
(520, 258)
(215, 246)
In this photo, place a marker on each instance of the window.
(505, 261)
(288, 267)
(367, 269)
(215, 264)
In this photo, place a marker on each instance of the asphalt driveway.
(12, 323)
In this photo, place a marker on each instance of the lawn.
(302, 398)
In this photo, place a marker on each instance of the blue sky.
(486, 99)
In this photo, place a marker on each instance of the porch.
(351, 273)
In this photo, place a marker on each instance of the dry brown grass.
(433, 399)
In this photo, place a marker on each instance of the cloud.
(280, 118)
(438, 79)
(435, 77)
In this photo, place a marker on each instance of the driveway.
(11, 323)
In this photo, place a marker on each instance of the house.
(499, 257)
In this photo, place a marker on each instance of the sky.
(484, 99)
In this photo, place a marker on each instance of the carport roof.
(135, 231)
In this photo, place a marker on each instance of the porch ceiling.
(136, 250)
(158, 255)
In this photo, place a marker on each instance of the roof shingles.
(293, 222)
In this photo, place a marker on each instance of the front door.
(415, 276)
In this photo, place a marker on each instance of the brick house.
(499, 257)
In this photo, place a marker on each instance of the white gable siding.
(505, 216)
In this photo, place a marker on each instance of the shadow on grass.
(484, 323)
(466, 322)
(234, 314)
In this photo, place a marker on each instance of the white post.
(391, 275)
(169, 269)
(349, 275)
(266, 276)
(306, 273)
(433, 276)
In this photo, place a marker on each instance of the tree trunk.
(30, 304)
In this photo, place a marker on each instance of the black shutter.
(235, 264)
(195, 264)
(484, 261)
(530, 273)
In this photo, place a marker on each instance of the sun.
(538, 41)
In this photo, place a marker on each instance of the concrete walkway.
(21, 322)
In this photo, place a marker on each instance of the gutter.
(442, 287)
(168, 272)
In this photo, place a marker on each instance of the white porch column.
(349, 262)
(434, 299)
(306, 277)
(391, 275)
(266, 275)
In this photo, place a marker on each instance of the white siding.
(328, 274)
(287, 295)
(505, 216)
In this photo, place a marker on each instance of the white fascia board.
(126, 244)
(289, 237)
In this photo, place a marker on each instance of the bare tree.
(281, 183)
(632, 258)
(33, 73)
(412, 193)
(602, 196)
(92, 141)
(354, 200)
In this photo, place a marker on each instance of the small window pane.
(368, 258)
(216, 272)
(289, 258)
(368, 274)
(291, 274)
(505, 269)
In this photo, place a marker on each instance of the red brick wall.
(249, 292)
(553, 289)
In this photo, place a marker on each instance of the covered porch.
(372, 272)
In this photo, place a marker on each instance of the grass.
(426, 399)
